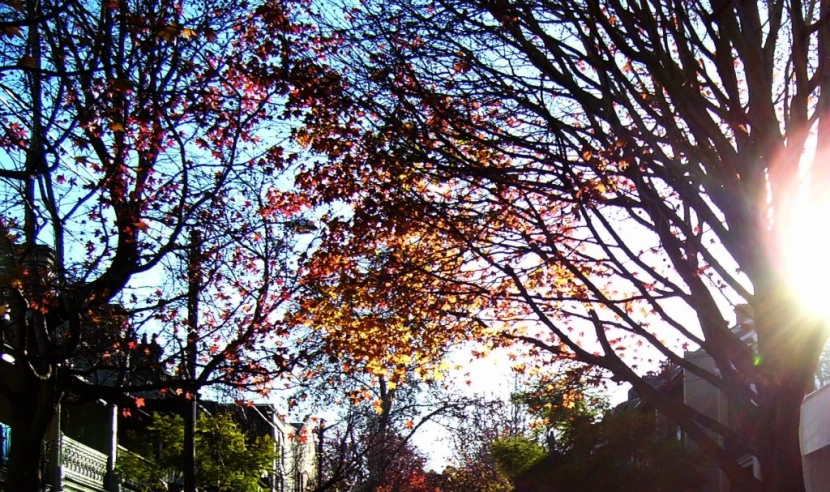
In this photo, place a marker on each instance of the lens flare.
(807, 253)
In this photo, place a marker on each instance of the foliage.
(226, 459)
(472, 476)
(132, 134)
(515, 455)
(557, 402)
(823, 368)
(622, 452)
(368, 445)
(497, 442)
(596, 180)
(472, 436)
(406, 470)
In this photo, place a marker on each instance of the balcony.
(82, 469)
(82, 465)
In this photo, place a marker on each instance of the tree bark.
(33, 412)
(789, 343)
(779, 445)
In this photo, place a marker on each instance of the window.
(5, 443)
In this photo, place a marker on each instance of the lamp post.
(191, 392)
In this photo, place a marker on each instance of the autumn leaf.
(13, 31)
(16, 5)
(121, 85)
(168, 33)
(28, 62)
(377, 406)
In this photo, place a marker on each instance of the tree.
(380, 393)
(823, 368)
(405, 471)
(497, 442)
(472, 477)
(620, 452)
(571, 439)
(516, 455)
(141, 158)
(367, 445)
(226, 459)
(599, 180)
(475, 435)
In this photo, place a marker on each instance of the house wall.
(298, 459)
(817, 470)
(815, 440)
(814, 431)
(706, 399)
(88, 423)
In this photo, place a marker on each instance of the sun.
(806, 248)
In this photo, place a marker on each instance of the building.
(86, 444)
(815, 418)
(815, 439)
(83, 441)
(295, 470)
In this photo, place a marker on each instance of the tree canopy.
(226, 459)
(623, 451)
(602, 181)
(598, 181)
(144, 192)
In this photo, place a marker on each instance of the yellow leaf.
(116, 126)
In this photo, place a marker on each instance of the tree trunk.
(25, 471)
(33, 412)
(779, 445)
(789, 343)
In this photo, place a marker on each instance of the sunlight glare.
(807, 254)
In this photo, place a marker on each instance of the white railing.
(83, 461)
